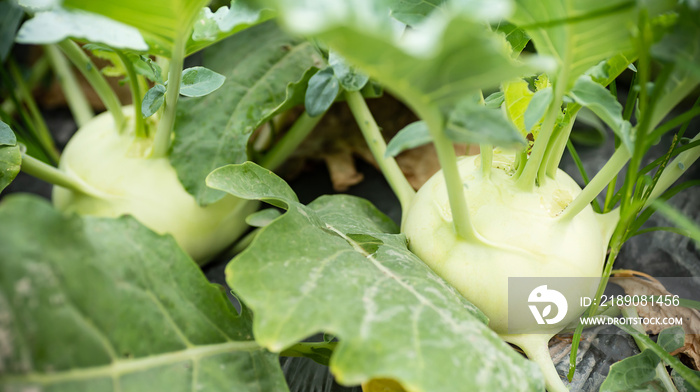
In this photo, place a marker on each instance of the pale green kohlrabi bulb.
(523, 238)
(123, 182)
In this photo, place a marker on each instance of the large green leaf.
(338, 265)
(53, 26)
(10, 156)
(600, 101)
(434, 64)
(160, 21)
(212, 131)
(577, 34)
(97, 304)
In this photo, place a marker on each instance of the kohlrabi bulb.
(525, 237)
(521, 234)
(123, 182)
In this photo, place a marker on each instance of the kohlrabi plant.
(92, 298)
(126, 161)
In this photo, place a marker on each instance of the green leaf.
(636, 373)
(7, 137)
(412, 135)
(250, 181)
(577, 34)
(393, 316)
(494, 100)
(517, 38)
(321, 93)
(537, 107)
(472, 122)
(671, 339)
(413, 12)
(99, 304)
(49, 27)
(10, 164)
(159, 21)
(10, 156)
(600, 101)
(350, 78)
(433, 65)
(211, 27)
(517, 95)
(150, 69)
(153, 100)
(213, 131)
(10, 17)
(607, 71)
(200, 81)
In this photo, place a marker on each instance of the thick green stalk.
(50, 174)
(597, 184)
(77, 101)
(555, 154)
(526, 181)
(93, 75)
(290, 141)
(39, 128)
(448, 162)
(486, 151)
(370, 130)
(140, 125)
(161, 142)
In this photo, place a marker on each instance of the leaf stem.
(526, 181)
(81, 60)
(597, 184)
(448, 162)
(140, 124)
(290, 141)
(52, 175)
(161, 142)
(77, 101)
(373, 136)
(673, 171)
(556, 152)
(39, 70)
(39, 127)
